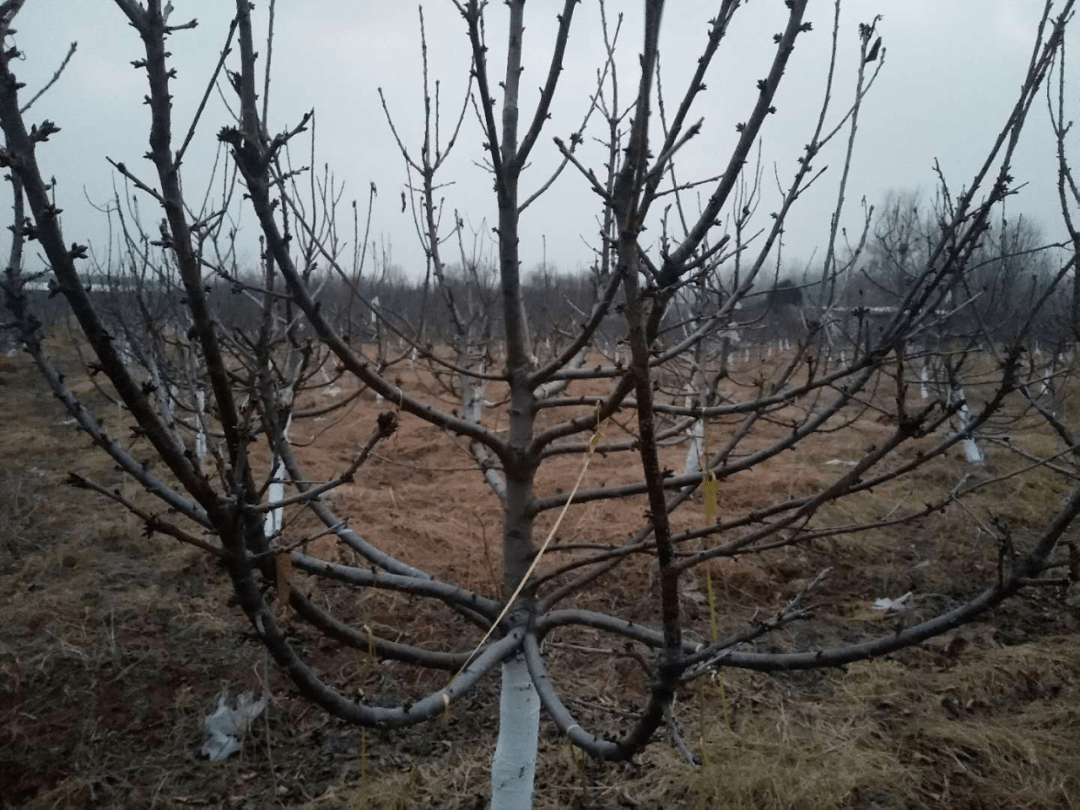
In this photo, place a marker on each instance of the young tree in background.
(679, 281)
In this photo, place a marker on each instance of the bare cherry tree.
(674, 390)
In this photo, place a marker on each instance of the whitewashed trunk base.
(513, 769)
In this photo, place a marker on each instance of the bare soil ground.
(115, 646)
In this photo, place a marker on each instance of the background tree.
(675, 298)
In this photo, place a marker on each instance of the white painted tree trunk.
(473, 398)
(329, 390)
(276, 491)
(470, 389)
(972, 453)
(200, 437)
(924, 381)
(697, 439)
(513, 769)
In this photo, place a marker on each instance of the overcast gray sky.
(951, 75)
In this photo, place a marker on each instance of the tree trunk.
(513, 767)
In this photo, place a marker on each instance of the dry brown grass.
(113, 647)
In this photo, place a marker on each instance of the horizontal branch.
(333, 628)
(361, 577)
(1019, 576)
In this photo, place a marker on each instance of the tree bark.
(513, 767)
